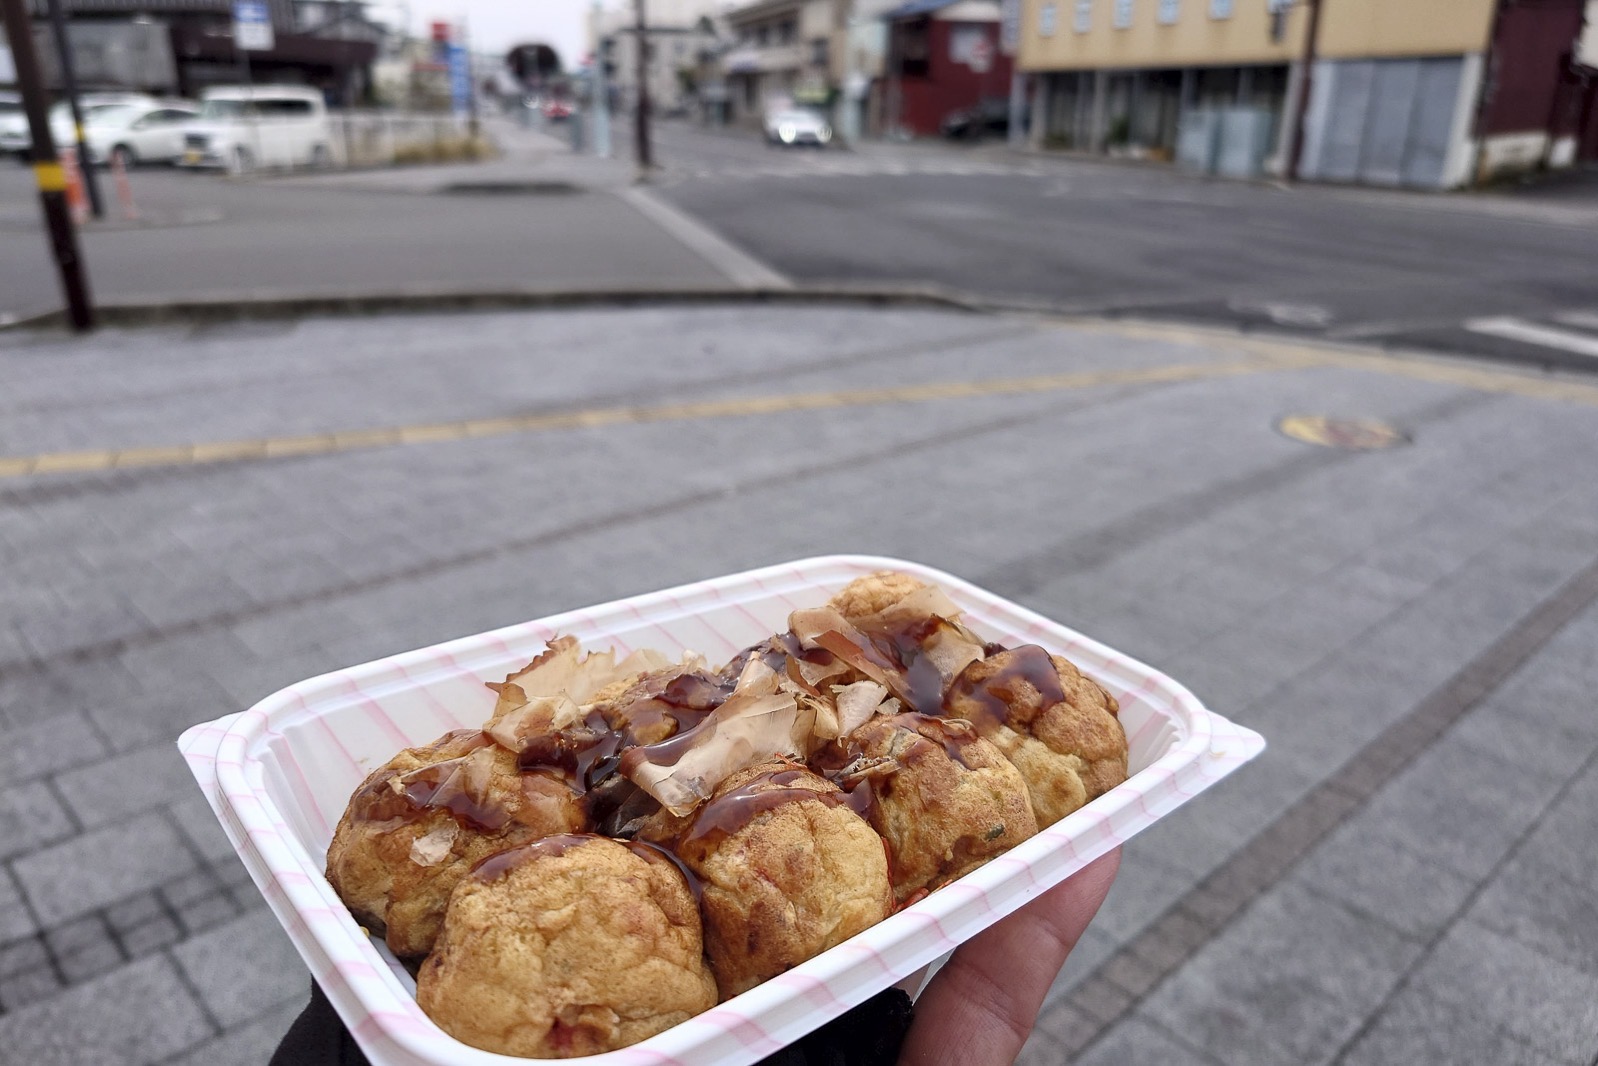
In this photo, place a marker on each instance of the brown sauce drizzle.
(379, 801)
(421, 789)
(656, 853)
(788, 644)
(900, 644)
(591, 753)
(727, 814)
(955, 739)
(988, 702)
(501, 863)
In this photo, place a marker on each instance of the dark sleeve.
(318, 1038)
(868, 1035)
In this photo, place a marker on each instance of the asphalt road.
(1400, 269)
(1507, 275)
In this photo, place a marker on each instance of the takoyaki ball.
(570, 946)
(1057, 726)
(416, 826)
(787, 870)
(944, 799)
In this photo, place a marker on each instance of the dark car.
(989, 118)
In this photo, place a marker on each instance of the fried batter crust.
(560, 952)
(1068, 751)
(793, 880)
(949, 803)
(371, 863)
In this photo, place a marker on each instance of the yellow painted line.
(433, 433)
(1479, 380)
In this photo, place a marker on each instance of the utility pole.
(646, 159)
(1295, 149)
(69, 82)
(47, 173)
(599, 87)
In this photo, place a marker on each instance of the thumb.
(981, 1007)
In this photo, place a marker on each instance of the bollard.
(77, 200)
(119, 173)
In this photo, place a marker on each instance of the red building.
(945, 65)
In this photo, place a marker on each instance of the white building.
(678, 34)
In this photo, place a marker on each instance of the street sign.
(252, 26)
(460, 78)
(980, 56)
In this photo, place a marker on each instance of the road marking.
(741, 268)
(391, 436)
(1530, 333)
(1419, 366)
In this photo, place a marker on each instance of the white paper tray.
(279, 776)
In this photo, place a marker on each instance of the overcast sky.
(496, 25)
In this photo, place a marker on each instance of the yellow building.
(1397, 93)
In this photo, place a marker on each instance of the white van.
(241, 128)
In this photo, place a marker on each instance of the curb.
(259, 306)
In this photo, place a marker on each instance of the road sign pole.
(46, 167)
(69, 83)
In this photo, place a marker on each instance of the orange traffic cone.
(77, 199)
(119, 172)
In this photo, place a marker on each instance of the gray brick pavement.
(102, 866)
(137, 1014)
(1318, 596)
(211, 963)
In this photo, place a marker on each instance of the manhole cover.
(510, 188)
(1359, 434)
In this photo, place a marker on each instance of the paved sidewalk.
(1404, 876)
(373, 231)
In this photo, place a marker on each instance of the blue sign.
(460, 79)
(252, 26)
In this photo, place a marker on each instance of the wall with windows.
(1097, 34)
(1093, 34)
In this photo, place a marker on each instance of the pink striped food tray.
(280, 774)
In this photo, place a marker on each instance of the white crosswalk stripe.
(1544, 336)
(849, 167)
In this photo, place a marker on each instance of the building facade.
(783, 51)
(944, 62)
(678, 37)
(1418, 93)
(184, 46)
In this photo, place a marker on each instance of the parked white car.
(242, 128)
(13, 123)
(138, 133)
(16, 137)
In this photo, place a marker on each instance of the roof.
(964, 10)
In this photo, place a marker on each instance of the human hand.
(980, 1008)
